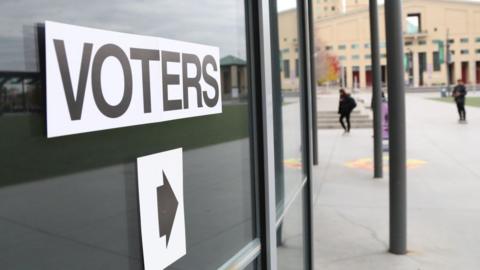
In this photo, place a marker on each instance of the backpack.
(354, 103)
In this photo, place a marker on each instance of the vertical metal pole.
(313, 83)
(342, 77)
(396, 110)
(266, 56)
(306, 74)
(376, 91)
(447, 60)
(277, 97)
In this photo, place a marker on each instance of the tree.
(327, 66)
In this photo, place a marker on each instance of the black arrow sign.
(167, 208)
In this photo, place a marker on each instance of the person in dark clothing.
(459, 93)
(345, 108)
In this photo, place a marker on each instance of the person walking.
(346, 105)
(459, 93)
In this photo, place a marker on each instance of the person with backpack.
(459, 93)
(345, 108)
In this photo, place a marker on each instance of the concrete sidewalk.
(351, 208)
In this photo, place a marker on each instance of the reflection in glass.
(19, 92)
(288, 131)
(233, 73)
(291, 253)
(290, 174)
(71, 202)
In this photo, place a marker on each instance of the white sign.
(99, 79)
(162, 215)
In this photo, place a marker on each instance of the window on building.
(414, 25)
(297, 68)
(464, 52)
(355, 57)
(477, 51)
(451, 41)
(342, 47)
(286, 69)
(368, 56)
(383, 55)
(333, 8)
(355, 46)
(436, 61)
(464, 40)
(367, 45)
(477, 40)
(328, 48)
(383, 45)
(408, 43)
(342, 58)
(422, 42)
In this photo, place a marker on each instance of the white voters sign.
(97, 79)
(162, 215)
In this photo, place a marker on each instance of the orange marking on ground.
(293, 163)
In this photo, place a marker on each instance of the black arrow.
(167, 208)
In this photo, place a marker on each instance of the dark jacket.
(346, 104)
(459, 93)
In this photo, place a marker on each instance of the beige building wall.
(347, 37)
(288, 43)
(326, 8)
(352, 5)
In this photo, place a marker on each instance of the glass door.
(290, 132)
(72, 202)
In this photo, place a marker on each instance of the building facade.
(427, 26)
(288, 43)
(327, 8)
(233, 77)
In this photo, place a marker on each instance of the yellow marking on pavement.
(293, 163)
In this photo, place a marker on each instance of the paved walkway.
(351, 208)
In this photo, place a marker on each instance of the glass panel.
(252, 265)
(288, 128)
(291, 252)
(71, 202)
(288, 143)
